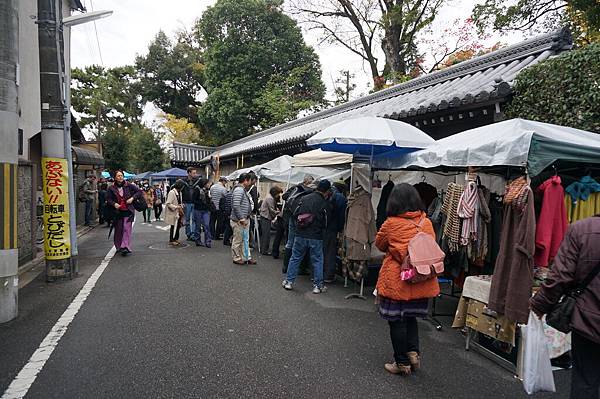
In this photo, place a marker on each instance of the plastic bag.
(537, 370)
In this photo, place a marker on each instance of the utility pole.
(55, 170)
(9, 122)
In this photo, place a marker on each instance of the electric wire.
(97, 39)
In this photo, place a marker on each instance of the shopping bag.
(537, 370)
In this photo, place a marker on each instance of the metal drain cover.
(164, 246)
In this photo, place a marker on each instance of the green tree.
(582, 16)
(255, 56)
(116, 150)
(344, 87)
(172, 74)
(284, 96)
(562, 90)
(146, 152)
(106, 98)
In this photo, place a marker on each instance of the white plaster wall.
(29, 70)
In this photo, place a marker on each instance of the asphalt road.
(187, 323)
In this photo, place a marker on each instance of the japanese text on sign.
(57, 244)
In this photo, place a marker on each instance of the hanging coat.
(360, 227)
(552, 223)
(382, 206)
(513, 274)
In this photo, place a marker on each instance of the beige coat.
(172, 204)
(360, 225)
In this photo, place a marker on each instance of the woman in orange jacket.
(401, 302)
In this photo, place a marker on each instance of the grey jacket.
(240, 204)
(217, 191)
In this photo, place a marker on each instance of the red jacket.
(552, 223)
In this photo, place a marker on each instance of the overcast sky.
(134, 24)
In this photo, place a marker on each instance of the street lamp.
(84, 18)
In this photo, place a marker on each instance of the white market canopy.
(284, 169)
(515, 142)
(321, 158)
(370, 135)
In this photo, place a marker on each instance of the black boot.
(287, 255)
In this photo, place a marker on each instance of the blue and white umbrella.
(370, 136)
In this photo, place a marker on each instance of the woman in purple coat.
(120, 196)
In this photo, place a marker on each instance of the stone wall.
(26, 214)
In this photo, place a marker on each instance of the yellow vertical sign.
(55, 176)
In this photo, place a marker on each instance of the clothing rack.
(360, 295)
(432, 316)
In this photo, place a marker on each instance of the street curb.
(27, 273)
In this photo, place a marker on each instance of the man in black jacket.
(311, 221)
(291, 198)
(187, 194)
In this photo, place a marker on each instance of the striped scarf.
(468, 211)
(450, 209)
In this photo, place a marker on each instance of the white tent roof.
(321, 158)
(507, 143)
(323, 166)
(277, 165)
(372, 130)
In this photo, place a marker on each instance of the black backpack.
(226, 203)
(294, 202)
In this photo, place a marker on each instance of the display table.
(473, 314)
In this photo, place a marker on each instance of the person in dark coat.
(188, 202)
(202, 209)
(102, 193)
(578, 256)
(335, 225)
(120, 197)
(311, 216)
(291, 196)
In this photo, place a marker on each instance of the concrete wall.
(26, 213)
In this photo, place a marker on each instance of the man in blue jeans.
(292, 198)
(311, 222)
(187, 197)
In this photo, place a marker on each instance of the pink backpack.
(425, 258)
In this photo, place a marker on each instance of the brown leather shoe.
(238, 262)
(415, 360)
(251, 262)
(395, 368)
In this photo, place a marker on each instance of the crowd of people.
(312, 217)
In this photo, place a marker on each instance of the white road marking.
(26, 377)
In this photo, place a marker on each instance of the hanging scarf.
(468, 211)
(450, 209)
(516, 191)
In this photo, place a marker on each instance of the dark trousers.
(227, 233)
(88, 211)
(329, 254)
(157, 211)
(585, 376)
(214, 216)
(405, 338)
(101, 214)
(279, 232)
(222, 222)
(217, 224)
(174, 233)
(265, 235)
